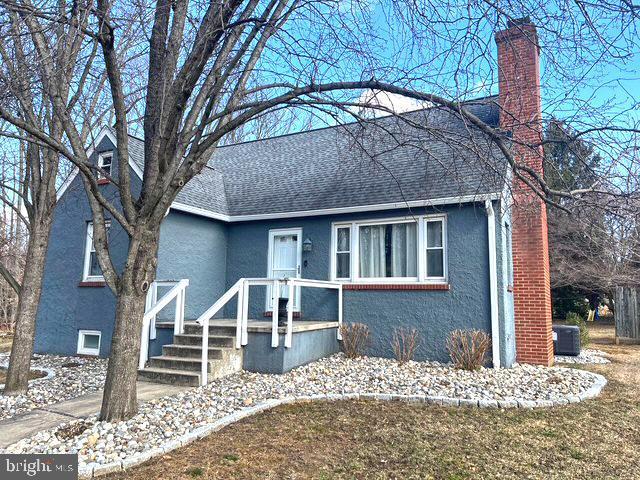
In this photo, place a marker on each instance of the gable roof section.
(428, 157)
(385, 161)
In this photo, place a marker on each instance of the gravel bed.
(587, 355)
(62, 382)
(164, 423)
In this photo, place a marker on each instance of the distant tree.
(589, 240)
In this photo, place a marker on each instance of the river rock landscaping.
(586, 356)
(67, 377)
(168, 422)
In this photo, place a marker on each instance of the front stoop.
(180, 362)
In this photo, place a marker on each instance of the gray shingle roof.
(424, 155)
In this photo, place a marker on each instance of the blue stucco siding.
(65, 307)
(213, 255)
(260, 356)
(195, 248)
(434, 313)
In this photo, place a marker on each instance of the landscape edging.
(50, 373)
(92, 470)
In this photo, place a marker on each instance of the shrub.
(468, 348)
(566, 300)
(355, 339)
(575, 319)
(404, 343)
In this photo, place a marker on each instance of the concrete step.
(195, 329)
(190, 351)
(169, 376)
(214, 341)
(178, 363)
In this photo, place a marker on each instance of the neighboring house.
(410, 223)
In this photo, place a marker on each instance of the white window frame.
(334, 249)
(81, 350)
(88, 249)
(426, 247)
(101, 157)
(421, 245)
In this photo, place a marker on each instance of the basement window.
(89, 342)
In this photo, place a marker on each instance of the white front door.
(285, 254)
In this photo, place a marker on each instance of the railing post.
(154, 300)
(339, 312)
(144, 344)
(204, 369)
(245, 313)
(274, 312)
(178, 318)
(290, 304)
(239, 315)
(183, 305)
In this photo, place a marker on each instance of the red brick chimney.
(521, 113)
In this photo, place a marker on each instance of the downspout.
(493, 284)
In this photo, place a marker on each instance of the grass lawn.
(595, 439)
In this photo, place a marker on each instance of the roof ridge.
(477, 101)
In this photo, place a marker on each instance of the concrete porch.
(175, 359)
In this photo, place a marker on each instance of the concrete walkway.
(44, 418)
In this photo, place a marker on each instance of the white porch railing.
(153, 307)
(241, 289)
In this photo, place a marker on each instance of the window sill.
(98, 283)
(103, 181)
(396, 286)
(88, 355)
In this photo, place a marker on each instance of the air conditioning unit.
(566, 340)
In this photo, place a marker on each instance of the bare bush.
(404, 343)
(356, 337)
(468, 348)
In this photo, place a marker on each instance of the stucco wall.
(65, 307)
(195, 248)
(214, 255)
(433, 313)
(260, 356)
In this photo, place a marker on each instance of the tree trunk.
(119, 401)
(20, 361)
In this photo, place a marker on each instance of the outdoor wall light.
(307, 245)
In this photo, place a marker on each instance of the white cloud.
(379, 104)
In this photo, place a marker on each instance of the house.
(387, 223)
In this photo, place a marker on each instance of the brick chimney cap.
(516, 28)
(518, 22)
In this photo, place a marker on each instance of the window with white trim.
(435, 249)
(390, 250)
(104, 162)
(89, 342)
(343, 252)
(92, 271)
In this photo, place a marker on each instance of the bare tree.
(215, 67)
(13, 239)
(31, 196)
(594, 247)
